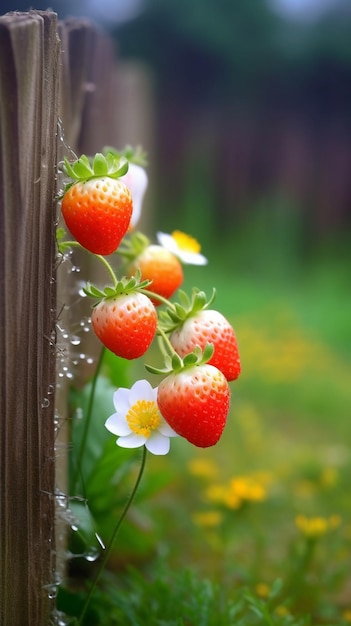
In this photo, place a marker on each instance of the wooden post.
(52, 76)
(29, 55)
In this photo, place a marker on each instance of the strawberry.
(125, 323)
(209, 326)
(192, 324)
(195, 403)
(161, 267)
(96, 206)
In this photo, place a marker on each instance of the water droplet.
(90, 360)
(79, 413)
(75, 340)
(45, 403)
(61, 499)
(60, 619)
(52, 590)
(92, 555)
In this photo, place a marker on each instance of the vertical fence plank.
(48, 71)
(29, 54)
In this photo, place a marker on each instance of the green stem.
(109, 269)
(166, 340)
(63, 245)
(114, 534)
(87, 420)
(156, 296)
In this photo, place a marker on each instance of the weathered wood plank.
(29, 56)
(88, 103)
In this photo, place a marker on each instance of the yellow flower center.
(143, 417)
(186, 242)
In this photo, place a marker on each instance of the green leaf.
(60, 233)
(180, 311)
(69, 169)
(208, 352)
(100, 167)
(123, 168)
(93, 291)
(98, 435)
(184, 299)
(177, 362)
(130, 284)
(157, 370)
(190, 359)
(82, 168)
(109, 292)
(111, 159)
(200, 301)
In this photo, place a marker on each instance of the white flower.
(186, 248)
(138, 421)
(136, 180)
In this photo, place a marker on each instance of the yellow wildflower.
(262, 590)
(207, 519)
(314, 527)
(204, 468)
(282, 610)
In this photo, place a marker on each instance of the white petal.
(117, 425)
(192, 258)
(136, 180)
(141, 390)
(167, 241)
(121, 400)
(157, 444)
(131, 441)
(186, 256)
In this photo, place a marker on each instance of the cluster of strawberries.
(202, 356)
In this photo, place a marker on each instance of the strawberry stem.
(64, 245)
(166, 340)
(156, 296)
(112, 540)
(109, 269)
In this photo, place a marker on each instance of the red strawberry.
(125, 323)
(209, 326)
(195, 403)
(97, 207)
(161, 267)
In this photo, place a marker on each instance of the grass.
(256, 530)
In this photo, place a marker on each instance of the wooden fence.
(53, 76)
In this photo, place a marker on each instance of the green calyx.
(133, 246)
(176, 314)
(84, 168)
(124, 286)
(133, 155)
(174, 364)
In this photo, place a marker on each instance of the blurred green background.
(251, 154)
(251, 123)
